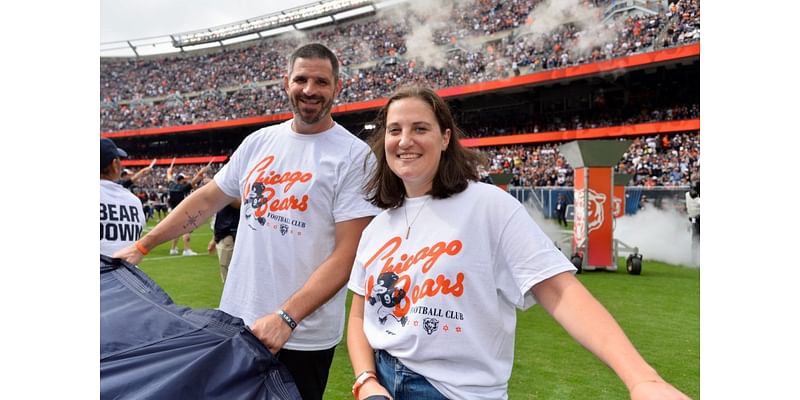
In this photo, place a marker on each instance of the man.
(121, 214)
(179, 188)
(561, 211)
(128, 179)
(142, 196)
(161, 201)
(303, 210)
(693, 211)
(224, 225)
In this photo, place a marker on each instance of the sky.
(126, 19)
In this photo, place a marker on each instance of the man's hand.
(130, 254)
(212, 246)
(272, 331)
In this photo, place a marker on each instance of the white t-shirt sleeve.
(350, 201)
(358, 274)
(227, 178)
(530, 255)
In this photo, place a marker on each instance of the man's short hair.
(315, 50)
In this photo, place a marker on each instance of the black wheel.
(577, 261)
(634, 264)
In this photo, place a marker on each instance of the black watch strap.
(288, 319)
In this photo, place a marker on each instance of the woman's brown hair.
(457, 166)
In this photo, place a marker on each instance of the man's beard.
(326, 108)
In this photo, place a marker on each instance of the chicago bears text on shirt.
(119, 222)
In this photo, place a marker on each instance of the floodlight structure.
(593, 243)
(284, 18)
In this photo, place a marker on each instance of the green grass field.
(659, 310)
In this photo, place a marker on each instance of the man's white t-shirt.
(294, 189)
(121, 217)
(444, 300)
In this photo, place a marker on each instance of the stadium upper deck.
(473, 41)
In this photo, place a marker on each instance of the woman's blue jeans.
(401, 382)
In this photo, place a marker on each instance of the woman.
(440, 272)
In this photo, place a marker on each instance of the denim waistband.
(392, 361)
(401, 382)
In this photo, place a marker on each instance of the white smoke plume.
(420, 46)
(549, 15)
(300, 37)
(366, 51)
(660, 234)
(425, 18)
(595, 34)
(552, 230)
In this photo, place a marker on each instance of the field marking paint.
(168, 257)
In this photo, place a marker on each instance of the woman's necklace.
(408, 226)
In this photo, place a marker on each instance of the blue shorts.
(401, 382)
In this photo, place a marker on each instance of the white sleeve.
(358, 273)
(530, 255)
(350, 201)
(228, 176)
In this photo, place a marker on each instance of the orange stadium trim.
(178, 161)
(199, 127)
(656, 57)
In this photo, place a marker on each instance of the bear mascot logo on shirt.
(389, 296)
(255, 200)
(430, 325)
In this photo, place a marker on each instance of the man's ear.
(117, 166)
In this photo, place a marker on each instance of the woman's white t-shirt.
(443, 301)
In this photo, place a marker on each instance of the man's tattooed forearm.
(191, 221)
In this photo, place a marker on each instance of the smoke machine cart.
(592, 238)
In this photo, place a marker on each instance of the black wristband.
(286, 318)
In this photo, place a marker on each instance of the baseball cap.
(180, 176)
(109, 151)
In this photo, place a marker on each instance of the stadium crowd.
(158, 176)
(562, 121)
(485, 41)
(665, 160)
(482, 40)
(656, 160)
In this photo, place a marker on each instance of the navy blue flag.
(152, 348)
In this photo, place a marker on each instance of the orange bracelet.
(361, 379)
(141, 248)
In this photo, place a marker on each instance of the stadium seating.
(244, 80)
(482, 40)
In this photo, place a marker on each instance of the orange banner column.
(620, 181)
(593, 231)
